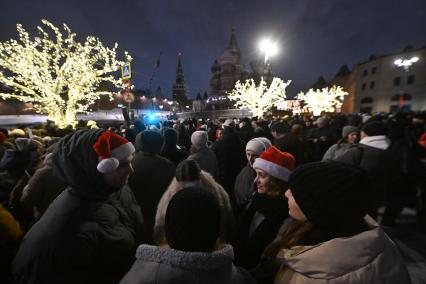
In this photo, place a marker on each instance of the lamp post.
(268, 47)
(405, 64)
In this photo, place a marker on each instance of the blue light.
(152, 118)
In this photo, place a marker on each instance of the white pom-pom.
(108, 165)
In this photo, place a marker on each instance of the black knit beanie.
(170, 137)
(375, 128)
(149, 141)
(192, 220)
(331, 194)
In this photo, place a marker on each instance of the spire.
(180, 79)
(232, 43)
(179, 67)
(179, 88)
(320, 83)
(343, 71)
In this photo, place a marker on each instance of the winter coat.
(244, 185)
(166, 265)
(10, 234)
(90, 232)
(246, 133)
(376, 156)
(10, 230)
(152, 175)
(291, 144)
(208, 183)
(368, 257)
(257, 226)
(173, 154)
(319, 146)
(336, 151)
(230, 155)
(42, 188)
(206, 159)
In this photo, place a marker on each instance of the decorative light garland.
(326, 99)
(217, 99)
(59, 77)
(259, 99)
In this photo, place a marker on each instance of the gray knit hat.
(199, 139)
(349, 129)
(258, 145)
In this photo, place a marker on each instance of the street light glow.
(406, 63)
(268, 47)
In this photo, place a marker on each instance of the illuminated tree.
(327, 100)
(259, 99)
(59, 77)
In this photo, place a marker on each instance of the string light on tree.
(261, 98)
(326, 99)
(58, 76)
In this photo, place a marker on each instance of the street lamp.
(268, 47)
(406, 64)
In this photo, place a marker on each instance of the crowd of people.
(287, 200)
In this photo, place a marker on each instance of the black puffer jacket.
(90, 233)
(230, 154)
(382, 167)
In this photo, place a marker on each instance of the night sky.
(315, 36)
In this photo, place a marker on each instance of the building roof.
(407, 49)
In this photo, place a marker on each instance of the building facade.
(382, 86)
(228, 69)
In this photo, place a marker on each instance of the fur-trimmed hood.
(165, 265)
(184, 259)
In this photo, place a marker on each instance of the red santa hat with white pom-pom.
(111, 148)
(275, 163)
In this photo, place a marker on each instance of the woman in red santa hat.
(265, 216)
(90, 232)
